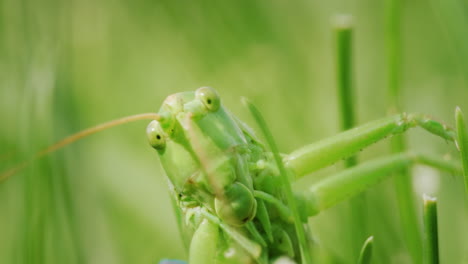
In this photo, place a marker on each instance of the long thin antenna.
(77, 136)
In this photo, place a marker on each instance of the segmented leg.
(341, 186)
(326, 152)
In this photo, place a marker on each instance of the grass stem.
(408, 216)
(343, 36)
(431, 244)
(462, 144)
(300, 231)
(343, 31)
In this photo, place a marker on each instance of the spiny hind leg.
(330, 150)
(343, 185)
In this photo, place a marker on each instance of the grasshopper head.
(204, 153)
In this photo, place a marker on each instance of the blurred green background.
(67, 65)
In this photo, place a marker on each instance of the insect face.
(200, 147)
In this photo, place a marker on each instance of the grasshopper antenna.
(77, 136)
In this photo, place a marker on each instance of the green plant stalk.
(300, 231)
(365, 255)
(462, 144)
(408, 216)
(343, 36)
(431, 244)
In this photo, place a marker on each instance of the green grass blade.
(462, 144)
(343, 36)
(431, 244)
(408, 216)
(343, 32)
(365, 255)
(393, 56)
(305, 252)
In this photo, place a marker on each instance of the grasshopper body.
(214, 163)
(230, 199)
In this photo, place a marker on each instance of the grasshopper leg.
(323, 153)
(339, 187)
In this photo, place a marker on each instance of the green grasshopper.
(232, 195)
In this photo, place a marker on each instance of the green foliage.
(66, 65)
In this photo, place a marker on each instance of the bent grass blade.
(300, 231)
(365, 255)
(462, 144)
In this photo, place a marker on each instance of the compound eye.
(155, 135)
(209, 97)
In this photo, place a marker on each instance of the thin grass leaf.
(343, 30)
(408, 216)
(431, 244)
(365, 255)
(462, 144)
(305, 254)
